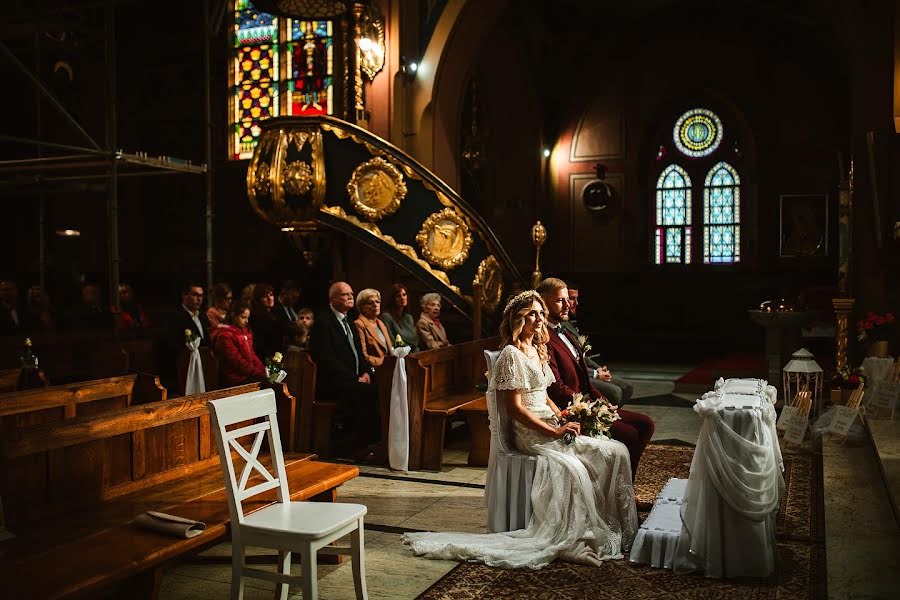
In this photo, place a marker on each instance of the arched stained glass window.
(722, 215)
(673, 216)
(280, 66)
(255, 60)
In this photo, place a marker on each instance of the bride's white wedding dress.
(582, 499)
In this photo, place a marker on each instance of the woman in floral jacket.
(238, 362)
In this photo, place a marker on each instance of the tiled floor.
(862, 535)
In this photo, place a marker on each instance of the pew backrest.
(42, 405)
(301, 383)
(54, 467)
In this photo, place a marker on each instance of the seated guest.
(131, 315)
(373, 334)
(398, 319)
(39, 314)
(233, 344)
(217, 314)
(247, 295)
(189, 316)
(287, 299)
(267, 329)
(429, 327)
(342, 372)
(10, 319)
(305, 317)
(297, 337)
(91, 313)
(571, 373)
(616, 389)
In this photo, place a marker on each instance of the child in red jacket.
(238, 362)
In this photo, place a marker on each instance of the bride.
(582, 498)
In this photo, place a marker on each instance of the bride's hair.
(514, 322)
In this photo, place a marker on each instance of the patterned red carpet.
(801, 547)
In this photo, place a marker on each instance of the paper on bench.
(170, 524)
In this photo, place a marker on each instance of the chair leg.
(237, 566)
(358, 550)
(284, 567)
(308, 570)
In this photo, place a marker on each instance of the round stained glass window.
(698, 132)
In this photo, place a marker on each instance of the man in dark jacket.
(341, 371)
(186, 317)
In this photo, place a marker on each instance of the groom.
(567, 362)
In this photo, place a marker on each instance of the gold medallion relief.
(376, 189)
(490, 277)
(445, 239)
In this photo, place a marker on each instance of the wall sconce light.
(370, 41)
(408, 67)
(68, 233)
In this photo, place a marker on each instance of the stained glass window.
(279, 67)
(722, 215)
(698, 132)
(673, 216)
(310, 64)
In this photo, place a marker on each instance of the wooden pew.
(210, 368)
(72, 489)
(439, 383)
(11, 380)
(315, 417)
(71, 356)
(43, 405)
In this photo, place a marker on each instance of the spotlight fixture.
(68, 233)
(408, 67)
(546, 152)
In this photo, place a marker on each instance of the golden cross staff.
(538, 236)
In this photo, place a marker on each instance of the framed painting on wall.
(803, 225)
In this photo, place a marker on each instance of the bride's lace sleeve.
(508, 371)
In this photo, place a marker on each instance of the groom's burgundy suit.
(633, 429)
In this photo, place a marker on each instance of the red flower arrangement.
(874, 326)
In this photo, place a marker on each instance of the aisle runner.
(800, 535)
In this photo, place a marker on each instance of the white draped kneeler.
(657, 537)
(507, 488)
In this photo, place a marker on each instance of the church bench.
(71, 489)
(114, 554)
(314, 416)
(12, 380)
(42, 405)
(439, 383)
(476, 414)
(70, 356)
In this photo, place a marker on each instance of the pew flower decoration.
(189, 337)
(398, 342)
(594, 416)
(29, 360)
(274, 371)
(874, 326)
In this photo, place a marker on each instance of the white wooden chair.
(507, 489)
(302, 527)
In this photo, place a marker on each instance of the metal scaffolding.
(95, 162)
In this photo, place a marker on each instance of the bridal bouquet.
(595, 416)
(274, 371)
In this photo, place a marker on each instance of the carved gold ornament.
(445, 239)
(298, 178)
(376, 189)
(490, 277)
(263, 180)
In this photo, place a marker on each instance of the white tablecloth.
(736, 483)
(876, 370)
(657, 537)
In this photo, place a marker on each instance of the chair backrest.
(238, 409)
(501, 425)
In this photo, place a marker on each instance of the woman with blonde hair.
(373, 334)
(582, 498)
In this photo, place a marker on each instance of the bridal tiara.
(518, 298)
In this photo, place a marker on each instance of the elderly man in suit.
(571, 373)
(429, 327)
(341, 369)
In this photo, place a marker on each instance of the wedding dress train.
(582, 499)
